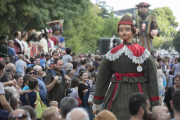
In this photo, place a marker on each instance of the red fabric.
(98, 98)
(137, 49)
(115, 49)
(125, 23)
(119, 75)
(17, 48)
(140, 89)
(55, 40)
(155, 98)
(113, 95)
(42, 58)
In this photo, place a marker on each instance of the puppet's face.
(125, 32)
(143, 11)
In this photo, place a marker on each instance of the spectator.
(12, 56)
(88, 68)
(20, 65)
(75, 66)
(96, 63)
(159, 60)
(68, 66)
(176, 67)
(55, 85)
(3, 47)
(77, 114)
(160, 80)
(53, 103)
(24, 36)
(19, 114)
(31, 111)
(139, 106)
(31, 96)
(83, 86)
(67, 104)
(167, 69)
(32, 62)
(18, 46)
(67, 58)
(26, 78)
(74, 86)
(11, 68)
(37, 61)
(3, 101)
(170, 77)
(42, 60)
(3, 113)
(13, 103)
(51, 113)
(38, 74)
(13, 91)
(83, 65)
(105, 115)
(69, 73)
(19, 80)
(160, 113)
(30, 71)
(169, 93)
(176, 104)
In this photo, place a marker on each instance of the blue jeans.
(89, 111)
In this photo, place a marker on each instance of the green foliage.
(84, 24)
(176, 41)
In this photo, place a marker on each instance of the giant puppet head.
(143, 10)
(55, 26)
(32, 35)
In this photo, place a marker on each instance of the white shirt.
(27, 49)
(43, 42)
(20, 44)
(22, 65)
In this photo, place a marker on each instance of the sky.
(174, 5)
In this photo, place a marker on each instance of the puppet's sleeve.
(151, 75)
(102, 83)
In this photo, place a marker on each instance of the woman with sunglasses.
(30, 71)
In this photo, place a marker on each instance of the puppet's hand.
(154, 32)
(96, 108)
(137, 30)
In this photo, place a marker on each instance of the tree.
(165, 19)
(176, 41)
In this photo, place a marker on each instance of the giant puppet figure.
(62, 39)
(146, 26)
(133, 70)
(32, 43)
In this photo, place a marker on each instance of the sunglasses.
(20, 116)
(32, 73)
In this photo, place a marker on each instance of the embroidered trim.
(129, 54)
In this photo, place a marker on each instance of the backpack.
(39, 106)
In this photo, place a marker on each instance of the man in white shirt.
(20, 65)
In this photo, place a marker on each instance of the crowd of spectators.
(62, 87)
